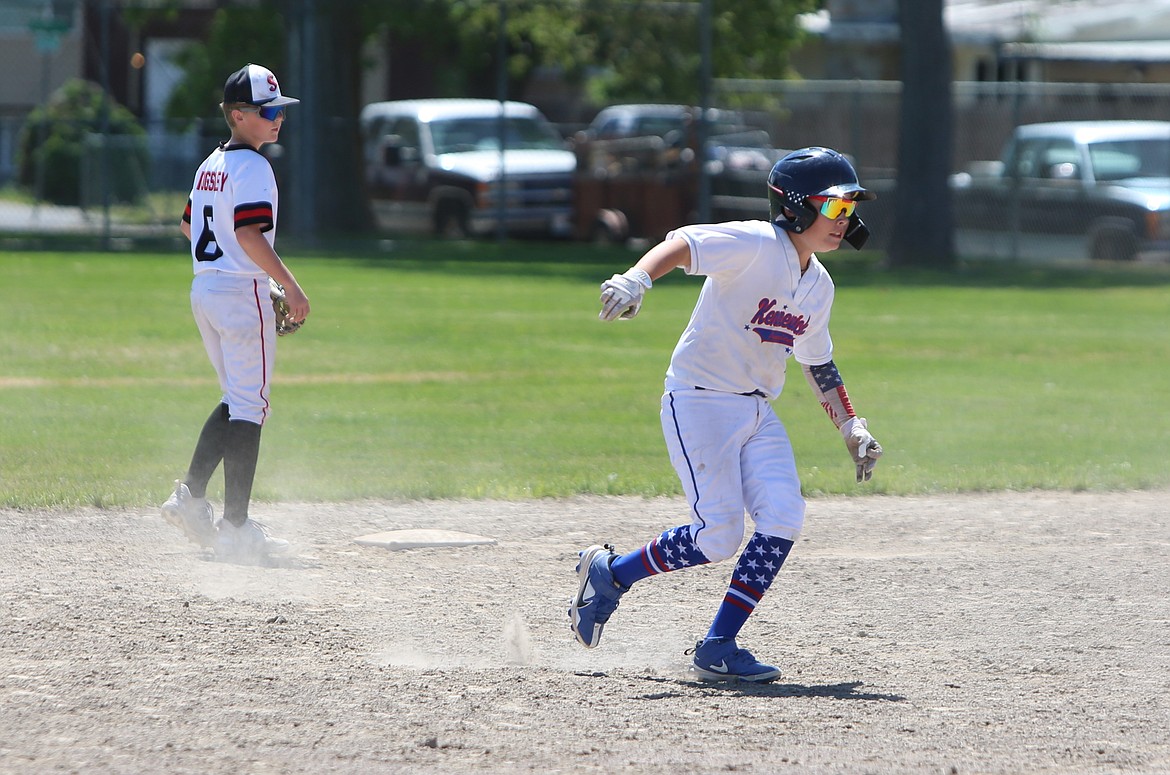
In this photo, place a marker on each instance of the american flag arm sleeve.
(829, 389)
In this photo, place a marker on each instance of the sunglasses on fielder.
(833, 208)
(268, 114)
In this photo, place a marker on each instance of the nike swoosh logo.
(719, 668)
(586, 595)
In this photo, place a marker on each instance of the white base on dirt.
(421, 538)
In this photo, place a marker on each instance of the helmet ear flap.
(857, 233)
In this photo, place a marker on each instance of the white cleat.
(250, 541)
(191, 515)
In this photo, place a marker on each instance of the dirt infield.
(1006, 633)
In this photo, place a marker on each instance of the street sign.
(48, 33)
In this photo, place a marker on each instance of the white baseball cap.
(255, 85)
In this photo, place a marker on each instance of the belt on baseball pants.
(759, 393)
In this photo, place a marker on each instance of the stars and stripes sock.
(672, 550)
(754, 572)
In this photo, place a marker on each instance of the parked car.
(671, 122)
(438, 166)
(639, 165)
(1073, 189)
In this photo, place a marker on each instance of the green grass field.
(432, 370)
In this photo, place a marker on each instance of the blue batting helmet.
(809, 172)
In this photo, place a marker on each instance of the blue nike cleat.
(597, 594)
(719, 659)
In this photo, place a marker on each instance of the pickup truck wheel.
(451, 221)
(1114, 246)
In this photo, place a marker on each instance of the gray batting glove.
(621, 295)
(863, 447)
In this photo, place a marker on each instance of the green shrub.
(57, 139)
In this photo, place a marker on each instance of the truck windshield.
(1123, 159)
(483, 134)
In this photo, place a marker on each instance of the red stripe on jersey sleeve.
(187, 212)
(253, 213)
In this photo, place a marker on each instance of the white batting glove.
(863, 447)
(621, 295)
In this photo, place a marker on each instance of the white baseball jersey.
(233, 187)
(754, 311)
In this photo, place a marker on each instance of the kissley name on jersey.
(211, 180)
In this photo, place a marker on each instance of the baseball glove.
(283, 324)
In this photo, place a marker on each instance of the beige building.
(40, 48)
(1063, 41)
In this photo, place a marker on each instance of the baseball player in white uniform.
(230, 220)
(766, 297)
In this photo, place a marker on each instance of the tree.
(922, 231)
(616, 49)
(64, 137)
(324, 158)
(237, 36)
(650, 51)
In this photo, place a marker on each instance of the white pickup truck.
(440, 166)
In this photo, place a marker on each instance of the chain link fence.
(103, 185)
(862, 117)
(133, 182)
(1050, 211)
(72, 162)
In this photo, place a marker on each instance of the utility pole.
(502, 96)
(105, 124)
(705, 25)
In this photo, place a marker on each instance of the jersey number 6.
(207, 248)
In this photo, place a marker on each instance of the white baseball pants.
(732, 455)
(238, 325)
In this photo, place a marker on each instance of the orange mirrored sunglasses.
(834, 208)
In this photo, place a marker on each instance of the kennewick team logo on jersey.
(776, 326)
